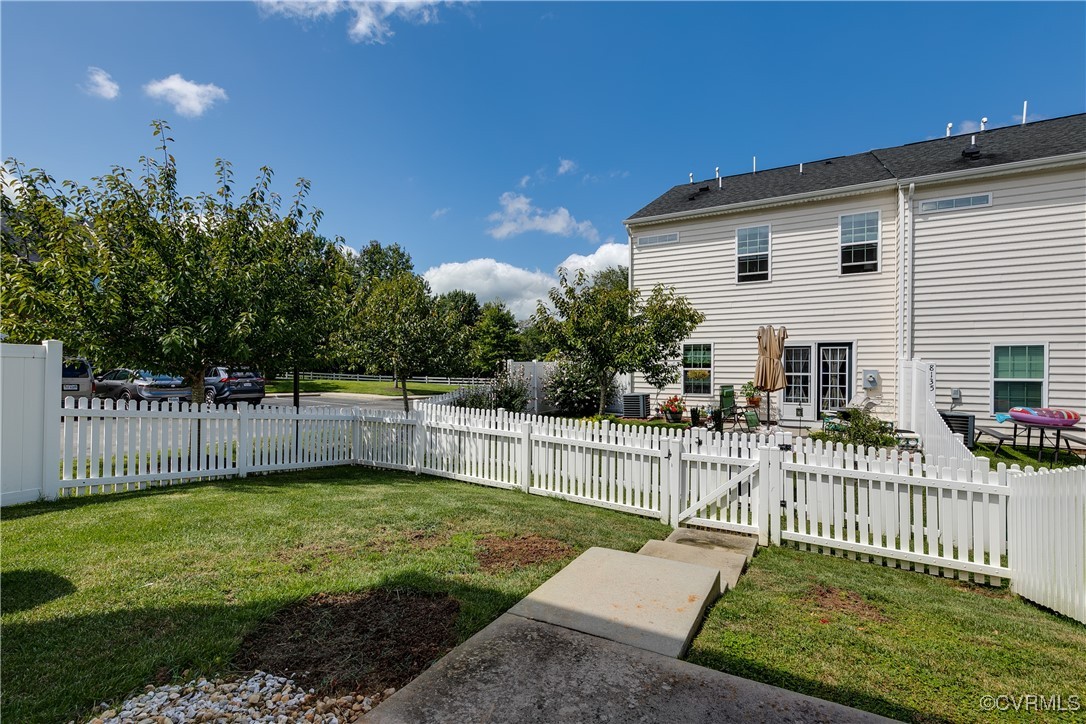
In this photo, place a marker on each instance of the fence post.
(356, 436)
(524, 460)
(50, 461)
(244, 440)
(675, 481)
(774, 498)
(420, 440)
(764, 501)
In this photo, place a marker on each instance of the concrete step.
(734, 542)
(651, 603)
(729, 563)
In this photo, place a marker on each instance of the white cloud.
(518, 215)
(187, 98)
(438, 213)
(968, 127)
(370, 22)
(101, 84)
(520, 289)
(566, 166)
(10, 183)
(524, 181)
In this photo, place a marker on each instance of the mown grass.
(898, 643)
(103, 595)
(1022, 457)
(360, 388)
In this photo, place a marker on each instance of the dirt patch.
(420, 538)
(353, 642)
(313, 556)
(837, 600)
(504, 554)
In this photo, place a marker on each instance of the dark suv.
(231, 385)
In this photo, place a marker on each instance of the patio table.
(1041, 427)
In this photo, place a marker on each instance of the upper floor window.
(1018, 376)
(658, 239)
(860, 243)
(752, 254)
(697, 369)
(961, 202)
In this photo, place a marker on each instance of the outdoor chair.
(729, 412)
(751, 421)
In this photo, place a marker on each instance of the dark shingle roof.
(1040, 139)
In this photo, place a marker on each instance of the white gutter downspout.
(630, 283)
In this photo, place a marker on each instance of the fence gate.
(718, 488)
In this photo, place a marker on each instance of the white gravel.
(259, 698)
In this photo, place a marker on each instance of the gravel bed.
(259, 698)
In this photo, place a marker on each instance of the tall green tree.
(495, 338)
(401, 324)
(611, 330)
(461, 310)
(127, 271)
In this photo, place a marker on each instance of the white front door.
(819, 378)
(796, 403)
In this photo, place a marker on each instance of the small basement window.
(961, 202)
(860, 243)
(1018, 376)
(658, 239)
(752, 254)
(697, 369)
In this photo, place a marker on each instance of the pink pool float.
(1056, 416)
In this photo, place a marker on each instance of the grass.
(1022, 457)
(360, 388)
(102, 595)
(901, 644)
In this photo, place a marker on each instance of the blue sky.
(496, 141)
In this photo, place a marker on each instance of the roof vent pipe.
(691, 178)
(948, 127)
(754, 161)
(1024, 105)
(801, 169)
(983, 123)
(718, 171)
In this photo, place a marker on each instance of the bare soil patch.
(838, 600)
(310, 556)
(353, 642)
(421, 538)
(495, 553)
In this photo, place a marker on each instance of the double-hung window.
(860, 243)
(752, 254)
(697, 369)
(1018, 376)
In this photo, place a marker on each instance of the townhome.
(967, 251)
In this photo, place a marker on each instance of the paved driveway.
(373, 403)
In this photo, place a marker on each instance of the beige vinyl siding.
(806, 293)
(1013, 272)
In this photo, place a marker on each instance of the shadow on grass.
(346, 474)
(59, 669)
(24, 590)
(841, 693)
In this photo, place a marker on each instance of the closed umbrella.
(769, 372)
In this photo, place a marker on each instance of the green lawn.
(102, 594)
(1022, 457)
(902, 644)
(362, 388)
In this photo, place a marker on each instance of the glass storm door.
(834, 375)
(796, 403)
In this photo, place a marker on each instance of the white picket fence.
(941, 515)
(917, 412)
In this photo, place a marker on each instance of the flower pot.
(754, 401)
(673, 416)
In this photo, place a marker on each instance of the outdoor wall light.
(799, 412)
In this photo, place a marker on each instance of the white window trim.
(992, 377)
(769, 254)
(920, 203)
(650, 244)
(840, 244)
(683, 368)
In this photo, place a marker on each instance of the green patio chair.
(728, 410)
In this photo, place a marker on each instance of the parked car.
(224, 385)
(77, 378)
(127, 384)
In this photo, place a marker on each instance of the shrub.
(510, 392)
(860, 429)
(573, 389)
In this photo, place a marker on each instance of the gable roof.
(1040, 139)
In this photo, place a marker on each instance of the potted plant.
(673, 408)
(752, 393)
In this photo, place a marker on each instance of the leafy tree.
(129, 272)
(375, 261)
(533, 345)
(495, 338)
(401, 324)
(612, 331)
(461, 309)
(613, 277)
(574, 388)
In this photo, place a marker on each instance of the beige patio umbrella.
(769, 372)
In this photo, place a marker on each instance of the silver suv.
(76, 378)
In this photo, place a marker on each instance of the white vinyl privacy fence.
(944, 516)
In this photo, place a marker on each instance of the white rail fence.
(944, 516)
(343, 376)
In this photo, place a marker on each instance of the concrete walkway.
(600, 641)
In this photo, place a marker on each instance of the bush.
(860, 429)
(616, 420)
(574, 390)
(510, 392)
